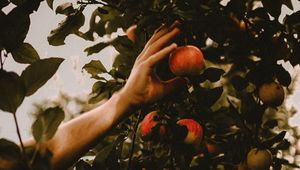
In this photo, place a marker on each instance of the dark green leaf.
(273, 7)
(9, 149)
(96, 48)
(12, 91)
(98, 97)
(38, 73)
(82, 165)
(283, 76)
(47, 123)
(239, 83)
(101, 157)
(213, 74)
(276, 139)
(10, 156)
(68, 26)
(97, 87)
(271, 123)
(14, 31)
(95, 67)
(50, 3)
(3, 3)
(18, 2)
(25, 54)
(65, 9)
(283, 145)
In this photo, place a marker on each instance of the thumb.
(173, 84)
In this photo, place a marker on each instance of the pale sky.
(69, 77)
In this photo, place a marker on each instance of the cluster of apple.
(271, 94)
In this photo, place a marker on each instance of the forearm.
(77, 136)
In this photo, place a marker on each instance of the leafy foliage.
(242, 43)
(47, 123)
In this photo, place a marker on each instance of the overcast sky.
(69, 77)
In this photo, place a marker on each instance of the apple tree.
(229, 115)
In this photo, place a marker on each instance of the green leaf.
(96, 48)
(50, 3)
(213, 74)
(283, 76)
(82, 165)
(95, 67)
(3, 3)
(276, 139)
(273, 7)
(98, 97)
(65, 9)
(25, 54)
(18, 2)
(101, 157)
(15, 29)
(238, 82)
(10, 156)
(68, 26)
(47, 123)
(9, 149)
(38, 73)
(12, 91)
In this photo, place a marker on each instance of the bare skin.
(77, 136)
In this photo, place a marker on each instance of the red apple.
(131, 33)
(186, 60)
(149, 124)
(195, 131)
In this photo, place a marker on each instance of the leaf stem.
(133, 140)
(19, 136)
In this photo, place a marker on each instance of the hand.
(143, 85)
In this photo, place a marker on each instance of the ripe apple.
(195, 131)
(186, 60)
(271, 94)
(149, 124)
(130, 32)
(259, 159)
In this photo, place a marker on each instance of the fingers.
(162, 31)
(151, 61)
(162, 41)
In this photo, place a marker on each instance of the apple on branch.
(186, 60)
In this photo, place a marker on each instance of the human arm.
(143, 86)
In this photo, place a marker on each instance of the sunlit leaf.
(25, 54)
(47, 123)
(95, 67)
(12, 91)
(38, 73)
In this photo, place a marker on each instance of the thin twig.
(19, 136)
(89, 2)
(133, 140)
